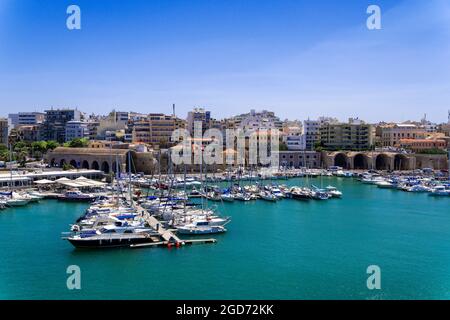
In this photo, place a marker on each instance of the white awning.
(44, 181)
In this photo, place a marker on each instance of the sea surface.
(284, 250)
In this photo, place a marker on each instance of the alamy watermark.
(229, 146)
(73, 21)
(374, 20)
(74, 280)
(374, 279)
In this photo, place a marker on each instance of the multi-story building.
(198, 115)
(93, 126)
(259, 121)
(122, 116)
(157, 129)
(420, 145)
(54, 126)
(392, 134)
(25, 119)
(76, 130)
(27, 133)
(4, 131)
(293, 137)
(295, 142)
(354, 135)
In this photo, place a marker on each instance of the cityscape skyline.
(132, 56)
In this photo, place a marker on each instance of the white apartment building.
(311, 130)
(25, 119)
(198, 115)
(76, 130)
(259, 121)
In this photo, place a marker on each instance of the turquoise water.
(284, 250)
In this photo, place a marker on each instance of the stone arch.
(105, 167)
(382, 162)
(114, 167)
(132, 164)
(95, 166)
(361, 162)
(401, 162)
(74, 163)
(341, 160)
(85, 164)
(62, 163)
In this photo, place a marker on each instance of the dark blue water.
(284, 250)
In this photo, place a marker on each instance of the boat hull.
(107, 243)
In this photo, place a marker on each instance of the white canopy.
(80, 182)
(44, 181)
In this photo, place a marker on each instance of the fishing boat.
(333, 192)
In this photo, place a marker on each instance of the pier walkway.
(167, 235)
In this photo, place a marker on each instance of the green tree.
(67, 166)
(78, 143)
(51, 145)
(283, 146)
(38, 148)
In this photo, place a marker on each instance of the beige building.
(421, 145)
(4, 131)
(392, 134)
(157, 129)
(355, 135)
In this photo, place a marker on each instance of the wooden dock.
(167, 243)
(170, 238)
(167, 235)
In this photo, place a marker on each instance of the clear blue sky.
(299, 58)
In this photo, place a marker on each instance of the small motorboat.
(266, 195)
(440, 191)
(333, 192)
(76, 195)
(242, 197)
(200, 227)
(228, 197)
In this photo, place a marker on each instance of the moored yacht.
(266, 195)
(113, 236)
(76, 196)
(440, 191)
(333, 192)
(200, 227)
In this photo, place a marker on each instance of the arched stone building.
(104, 159)
(352, 160)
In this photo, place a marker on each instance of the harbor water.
(284, 250)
